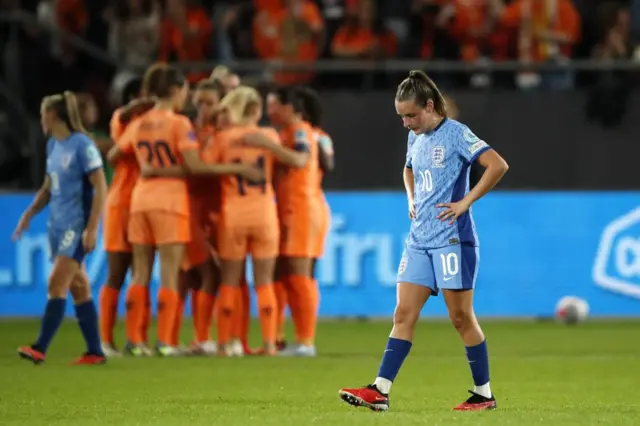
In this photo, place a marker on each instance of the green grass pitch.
(542, 373)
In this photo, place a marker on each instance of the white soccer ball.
(572, 310)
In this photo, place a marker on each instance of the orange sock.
(240, 328)
(168, 302)
(305, 318)
(293, 299)
(193, 294)
(281, 306)
(146, 321)
(108, 312)
(177, 323)
(227, 302)
(205, 316)
(136, 299)
(267, 312)
(315, 306)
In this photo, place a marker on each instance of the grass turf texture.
(542, 373)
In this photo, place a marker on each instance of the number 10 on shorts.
(456, 266)
(450, 265)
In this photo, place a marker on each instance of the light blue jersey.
(441, 161)
(69, 162)
(439, 255)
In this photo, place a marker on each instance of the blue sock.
(53, 316)
(88, 321)
(479, 362)
(394, 355)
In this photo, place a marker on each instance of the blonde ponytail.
(238, 104)
(73, 113)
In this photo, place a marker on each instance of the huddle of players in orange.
(205, 196)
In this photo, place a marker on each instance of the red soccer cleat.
(246, 349)
(90, 359)
(477, 403)
(368, 396)
(27, 352)
(281, 345)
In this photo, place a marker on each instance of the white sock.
(384, 385)
(484, 390)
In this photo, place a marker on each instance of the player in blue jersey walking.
(441, 252)
(75, 189)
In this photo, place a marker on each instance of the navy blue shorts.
(449, 268)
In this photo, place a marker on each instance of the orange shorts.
(236, 241)
(325, 225)
(116, 224)
(300, 233)
(158, 227)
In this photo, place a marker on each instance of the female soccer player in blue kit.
(75, 190)
(441, 252)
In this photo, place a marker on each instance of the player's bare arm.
(289, 157)
(147, 171)
(409, 182)
(39, 202)
(195, 166)
(495, 168)
(99, 183)
(135, 108)
(114, 154)
(326, 159)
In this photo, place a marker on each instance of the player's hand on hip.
(89, 238)
(23, 225)
(412, 209)
(452, 211)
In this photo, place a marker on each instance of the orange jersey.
(299, 186)
(158, 137)
(125, 171)
(206, 189)
(245, 201)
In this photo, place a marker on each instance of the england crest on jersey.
(438, 156)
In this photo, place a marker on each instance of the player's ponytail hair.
(66, 108)
(240, 103)
(160, 79)
(311, 106)
(73, 112)
(418, 87)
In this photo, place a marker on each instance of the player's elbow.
(503, 166)
(327, 164)
(113, 155)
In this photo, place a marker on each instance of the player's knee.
(116, 278)
(462, 319)
(58, 285)
(405, 315)
(80, 291)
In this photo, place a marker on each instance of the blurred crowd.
(58, 39)
(97, 46)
